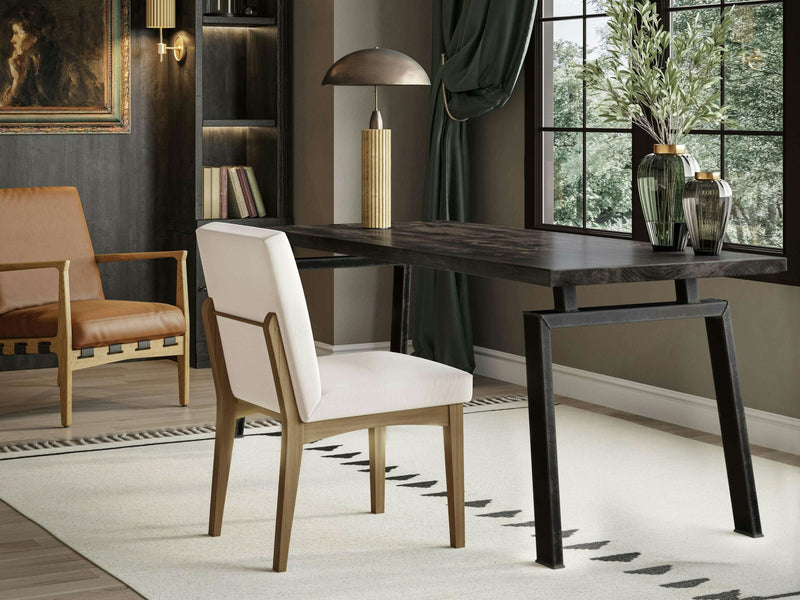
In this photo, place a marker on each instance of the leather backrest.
(42, 224)
(251, 272)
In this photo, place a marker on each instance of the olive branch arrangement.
(667, 84)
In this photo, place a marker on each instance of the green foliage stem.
(666, 84)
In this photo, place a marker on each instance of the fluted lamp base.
(376, 178)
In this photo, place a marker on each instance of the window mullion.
(583, 124)
(791, 143)
(722, 140)
(533, 128)
(642, 145)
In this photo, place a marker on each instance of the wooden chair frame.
(295, 433)
(70, 359)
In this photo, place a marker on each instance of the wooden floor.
(128, 397)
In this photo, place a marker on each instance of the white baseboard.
(500, 365)
(764, 428)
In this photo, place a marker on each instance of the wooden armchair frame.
(70, 360)
(295, 433)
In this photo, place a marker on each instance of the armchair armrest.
(61, 265)
(182, 285)
(178, 255)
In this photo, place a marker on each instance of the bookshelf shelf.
(214, 21)
(239, 123)
(242, 75)
(252, 221)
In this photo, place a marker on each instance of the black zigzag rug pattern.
(505, 518)
(167, 434)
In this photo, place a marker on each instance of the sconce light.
(374, 67)
(160, 14)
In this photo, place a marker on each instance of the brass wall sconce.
(160, 15)
(376, 66)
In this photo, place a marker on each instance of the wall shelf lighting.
(160, 15)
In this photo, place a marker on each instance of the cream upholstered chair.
(264, 361)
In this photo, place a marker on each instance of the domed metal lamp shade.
(376, 66)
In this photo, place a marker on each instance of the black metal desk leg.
(735, 444)
(239, 432)
(401, 305)
(542, 424)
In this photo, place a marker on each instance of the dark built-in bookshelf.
(242, 117)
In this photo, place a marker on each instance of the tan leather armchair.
(51, 297)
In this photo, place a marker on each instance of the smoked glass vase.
(661, 178)
(707, 206)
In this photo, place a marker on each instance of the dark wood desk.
(563, 261)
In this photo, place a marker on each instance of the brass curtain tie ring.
(444, 97)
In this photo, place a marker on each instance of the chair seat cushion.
(361, 383)
(97, 323)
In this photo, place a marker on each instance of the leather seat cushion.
(97, 323)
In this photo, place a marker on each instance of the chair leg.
(377, 469)
(291, 455)
(223, 451)
(65, 391)
(183, 379)
(454, 468)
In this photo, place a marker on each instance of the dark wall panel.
(131, 185)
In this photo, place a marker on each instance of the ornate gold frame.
(114, 117)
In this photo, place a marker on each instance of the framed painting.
(65, 66)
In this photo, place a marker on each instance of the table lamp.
(376, 66)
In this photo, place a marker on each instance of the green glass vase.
(661, 178)
(707, 206)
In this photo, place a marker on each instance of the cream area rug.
(646, 515)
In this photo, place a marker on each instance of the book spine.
(233, 206)
(255, 191)
(206, 192)
(238, 195)
(223, 193)
(248, 197)
(215, 192)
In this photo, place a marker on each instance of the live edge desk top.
(546, 258)
(563, 261)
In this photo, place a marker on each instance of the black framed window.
(585, 162)
(579, 174)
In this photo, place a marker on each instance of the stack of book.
(231, 193)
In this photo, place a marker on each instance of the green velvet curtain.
(484, 44)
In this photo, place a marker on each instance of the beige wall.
(672, 355)
(312, 131)
(327, 147)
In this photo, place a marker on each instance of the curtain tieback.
(444, 97)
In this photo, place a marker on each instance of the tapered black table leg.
(735, 444)
(544, 462)
(401, 305)
(239, 431)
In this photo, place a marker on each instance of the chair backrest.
(251, 272)
(43, 224)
